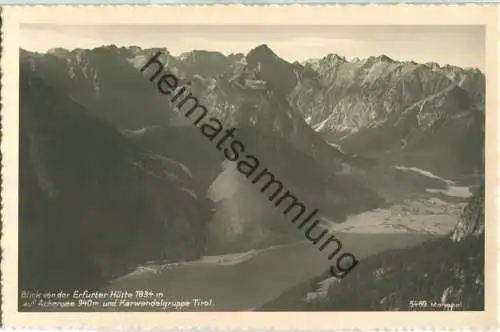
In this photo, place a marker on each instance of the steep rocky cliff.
(396, 111)
(471, 223)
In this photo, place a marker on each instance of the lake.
(247, 280)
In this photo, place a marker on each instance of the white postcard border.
(226, 15)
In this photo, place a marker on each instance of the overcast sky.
(457, 45)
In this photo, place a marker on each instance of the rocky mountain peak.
(58, 51)
(278, 73)
(112, 48)
(194, 54)
(335, 58)
(379, 58)
(433, 65)
(261, 51)
(384, 58)
(236, 56)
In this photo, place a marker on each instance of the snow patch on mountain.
(320, 126)
(425, 173)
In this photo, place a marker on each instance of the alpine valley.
(119, 191)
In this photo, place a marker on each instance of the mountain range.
(398, 111)
(112, 177)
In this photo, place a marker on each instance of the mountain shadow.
(93, 204)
